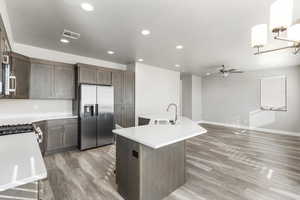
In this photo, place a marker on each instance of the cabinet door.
(71, 135)
(128, 116)
(128, 168)
(21, 69)
(55, 137)
(129, 87)
(41, 82)
(43, 126)
(118, 114)
(118, 83)
(87, 75)
(64, 82)
(1, 59)
(103, 77)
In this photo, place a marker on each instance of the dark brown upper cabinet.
(129, 88)
(104, 77)
(20, 68)
(87, 74)
(41, 82)
(118, 83)
(64, 81)
(93, 74)
(51, 80)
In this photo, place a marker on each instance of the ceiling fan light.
(259, 35)
(294, 32)
(281, 15)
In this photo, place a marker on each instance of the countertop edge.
(23, 182)
(165, 144)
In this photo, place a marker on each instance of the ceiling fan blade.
(211, 73)
(237, 71)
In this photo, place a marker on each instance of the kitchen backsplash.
(16, 107)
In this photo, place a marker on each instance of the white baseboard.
(252, 128)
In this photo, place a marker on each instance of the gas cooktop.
(16, 129)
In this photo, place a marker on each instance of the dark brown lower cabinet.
(59, 135)
(70, 135)
(55, 135)
(20, 67)
(129, 116)
(118, 114)
(144, 173)
(124, 115)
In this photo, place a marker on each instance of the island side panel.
(162, 170)
(127, 168)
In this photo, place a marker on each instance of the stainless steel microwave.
(7, 79)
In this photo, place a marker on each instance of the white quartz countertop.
(30, 118)
(157, 136)
(21, 160)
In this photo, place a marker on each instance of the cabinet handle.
(12, 84)
(96, 109)
(135, 154)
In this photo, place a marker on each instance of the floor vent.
(70, 34)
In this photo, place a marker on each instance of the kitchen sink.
(164, 122)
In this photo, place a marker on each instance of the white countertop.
(157, 136)
(21, 160)
(30, 118)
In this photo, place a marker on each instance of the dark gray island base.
(144, 173)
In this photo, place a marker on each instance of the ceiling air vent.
(70, 34)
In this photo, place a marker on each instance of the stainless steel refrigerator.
(96, 116)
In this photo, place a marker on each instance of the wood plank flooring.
(224, 164)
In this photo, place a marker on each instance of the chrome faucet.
(173, 104)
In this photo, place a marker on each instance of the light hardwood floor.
(225, 163)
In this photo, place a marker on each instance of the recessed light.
(177, 65)
(87, 7)
(111, 52)
(64, 40)
(179, 47)
(141, 60)
(207, 74)
(145, 32)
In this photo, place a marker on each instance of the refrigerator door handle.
(97, 109)
(94, 110)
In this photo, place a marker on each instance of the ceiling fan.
(226, 71)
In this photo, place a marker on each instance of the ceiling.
(213, 32)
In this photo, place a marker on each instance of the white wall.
(187, 96)
(192, 96)
(18, 107)
(235, 100)
(155, 89)
(196, 98)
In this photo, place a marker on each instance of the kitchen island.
(22, 164)
(151, 158)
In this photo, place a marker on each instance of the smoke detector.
(71, 34)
